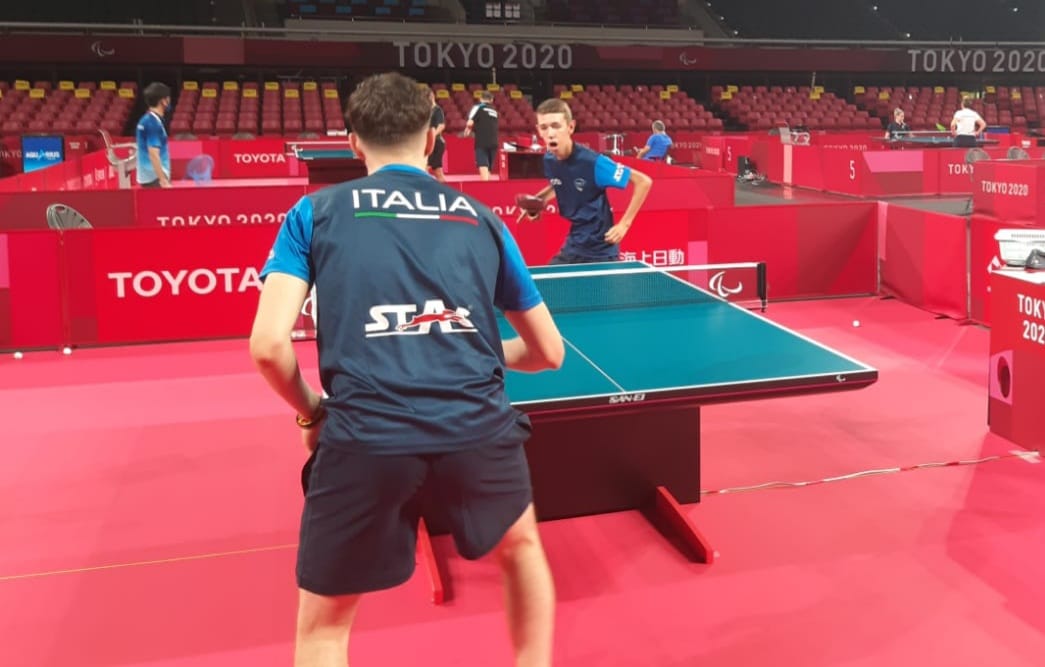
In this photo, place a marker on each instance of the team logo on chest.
(579, 183)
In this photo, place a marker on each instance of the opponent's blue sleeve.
(292, 250)
(610, 174)
(516, 290)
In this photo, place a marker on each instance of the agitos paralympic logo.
(404, 320)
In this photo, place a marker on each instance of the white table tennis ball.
(67, 350)
(18, 355)
(856, 323)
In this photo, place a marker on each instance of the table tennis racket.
(530, 206)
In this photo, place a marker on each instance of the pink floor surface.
(149, 503)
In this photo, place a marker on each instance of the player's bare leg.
(484, 173)
(439, 175)
(324, 623)
(529, 592)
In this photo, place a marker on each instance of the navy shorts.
(565, 257)
(359, 525)
(485, 157)
(435, 159)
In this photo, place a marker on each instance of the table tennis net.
(576, 289)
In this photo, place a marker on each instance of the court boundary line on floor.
(145, 563)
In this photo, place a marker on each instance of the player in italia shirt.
(409, 274)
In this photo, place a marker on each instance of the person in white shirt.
(967, 125)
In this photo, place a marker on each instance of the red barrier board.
(215, 206)
(31, 290)
(166, 284)
(923, 261)
(1015, 390)
(721, 151)
(111, 286)
(983, 260)
(816, 250)
(28, 210)
(1010, 190)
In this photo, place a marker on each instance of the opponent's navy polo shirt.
(580, 183)
(408, 273)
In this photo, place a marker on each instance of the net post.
(763, 293)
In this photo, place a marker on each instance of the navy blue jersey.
(408, 274)
(580, 183)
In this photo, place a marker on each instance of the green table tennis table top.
(649, 337)
(325, 154)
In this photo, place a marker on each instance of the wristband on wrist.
(309, 422)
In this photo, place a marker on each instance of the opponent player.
(421, 404)
(578, 179)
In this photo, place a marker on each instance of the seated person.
(658, 144)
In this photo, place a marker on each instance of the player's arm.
(471, 120)
(641, 184)
(287, 277)
(439, 129)
(270, 343)
(981, 125)
(547, 193)
(954, 124)
(539, 345)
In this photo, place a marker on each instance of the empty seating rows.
(626, 108)
(926, 107)
(764, 107)
(307, 109)
(69, 107)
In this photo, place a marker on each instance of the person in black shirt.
(898, 126)
(483, 122)
(438, 124)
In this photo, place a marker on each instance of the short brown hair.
(555, 105)
(385, 109)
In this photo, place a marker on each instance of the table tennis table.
(929, 140)
(618, 426)
(327, 161)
